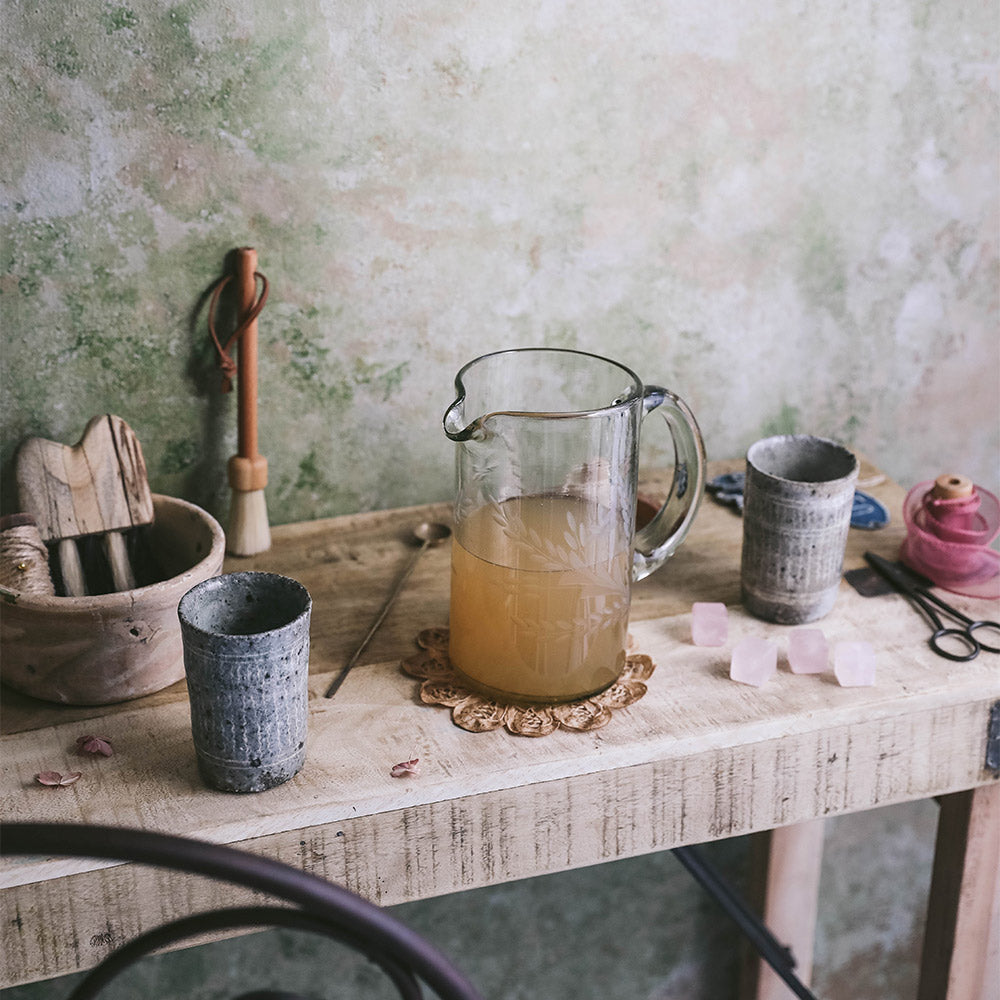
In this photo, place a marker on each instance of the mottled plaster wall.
(786, 211)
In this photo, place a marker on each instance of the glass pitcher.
(545, 546)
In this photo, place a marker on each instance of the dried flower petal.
(55, 779)
(405, 768)
(94, 744)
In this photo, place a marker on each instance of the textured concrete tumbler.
(796, 513)
(246, 656)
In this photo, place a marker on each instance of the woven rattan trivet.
(441, 686)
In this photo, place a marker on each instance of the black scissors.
(915, 587)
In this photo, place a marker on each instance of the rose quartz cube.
(709, 624)
(754, 661)
(854, 664)
(808, 651)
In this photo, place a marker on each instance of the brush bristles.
(249, 531)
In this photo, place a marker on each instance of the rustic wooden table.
(698, 758)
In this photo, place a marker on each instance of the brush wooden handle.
(247, 468)
(249, 532)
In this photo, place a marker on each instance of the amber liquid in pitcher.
(539, 599)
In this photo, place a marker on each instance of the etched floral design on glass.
(540, 597)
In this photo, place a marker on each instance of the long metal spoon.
(429, 534)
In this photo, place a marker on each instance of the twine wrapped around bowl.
(101, 649)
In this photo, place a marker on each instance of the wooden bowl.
(112, 647)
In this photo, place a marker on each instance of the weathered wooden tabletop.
(698, 758)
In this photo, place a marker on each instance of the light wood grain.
(698, 758)
(97, 486)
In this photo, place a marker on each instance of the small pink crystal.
(808, 651)
(709, 623)
(854, 664)
(754, 661)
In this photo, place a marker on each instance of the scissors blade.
(902, 579)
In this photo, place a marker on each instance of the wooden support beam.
(784, 889)
(961, 956)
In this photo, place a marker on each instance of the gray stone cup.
(797, 503)
(246, 656)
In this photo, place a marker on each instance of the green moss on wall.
(789, 218)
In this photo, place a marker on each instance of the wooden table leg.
(784, 887)
(961, 957)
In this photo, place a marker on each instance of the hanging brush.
(249, 531)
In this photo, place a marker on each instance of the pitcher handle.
(659, 539)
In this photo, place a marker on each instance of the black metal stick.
(777, 955)
(429, 533)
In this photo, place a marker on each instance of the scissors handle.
(970, 625)
(919, 593)
(962, 637)
(993, 626)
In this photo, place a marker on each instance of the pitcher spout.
(455, 425)
(465, 418)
